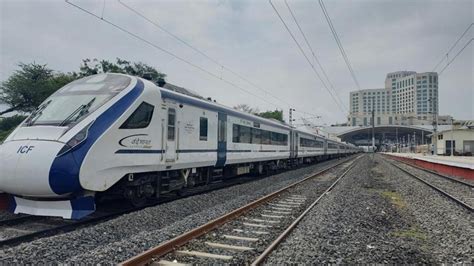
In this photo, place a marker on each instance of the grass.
(395, 199)
(413, 232)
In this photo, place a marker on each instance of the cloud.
(247, 37)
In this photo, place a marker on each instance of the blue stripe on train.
(64, 172)
(124, 151)
(81, 207)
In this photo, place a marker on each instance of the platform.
(459, 166)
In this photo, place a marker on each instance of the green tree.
(277, 114)
(8, 124)
(95, 66)
(246, 108)
(27, 87)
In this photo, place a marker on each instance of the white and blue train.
(116, 135)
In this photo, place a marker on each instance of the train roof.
(186, 96)
(213, 106)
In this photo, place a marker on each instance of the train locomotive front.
(42, 162)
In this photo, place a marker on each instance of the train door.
(297, 142)
(171, 135)
(293, 144)
(221, 139)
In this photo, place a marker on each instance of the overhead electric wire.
(304, 54)
(200, 52)
(168, 52)
(460, 51)
(314, 55)
(452, 47)
(154, 23)
(339, 44)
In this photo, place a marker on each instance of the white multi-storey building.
(409, 98)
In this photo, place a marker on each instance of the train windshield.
(76, 100)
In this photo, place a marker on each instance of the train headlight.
(76, 140)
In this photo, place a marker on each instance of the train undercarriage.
(139, 188)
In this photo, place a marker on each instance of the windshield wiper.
(37, 113)
(81, 110)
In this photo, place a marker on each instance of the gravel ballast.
(268, 228)
(461, 191)
(377, 214)
(448, 227)
(121, 238)
(5, 215)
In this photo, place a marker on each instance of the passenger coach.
(113, 135)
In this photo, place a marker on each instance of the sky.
(248, 39)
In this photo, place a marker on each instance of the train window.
(244, 134)
(76, 100)
(222, 130)
(171, 123)
(203, 128)
(274, 138)
(266, 137)
(235, 133)
(310, 143)
(256, 136)
(140, 118)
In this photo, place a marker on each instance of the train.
(115, 135)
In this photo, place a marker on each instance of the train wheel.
(135, 198)
(138, 201)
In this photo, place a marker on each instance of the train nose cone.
(26, 167)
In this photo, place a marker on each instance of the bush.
(8, 124)
(4, 134)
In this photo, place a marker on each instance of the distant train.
(121, 136)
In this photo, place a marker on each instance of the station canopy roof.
(361, 135)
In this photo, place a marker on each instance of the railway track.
(23, 229)
(16, 219)
(27, 228)
(248, 234)
(458, 191)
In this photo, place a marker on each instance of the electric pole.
(435, 126)
(291, 117)
(373, 124)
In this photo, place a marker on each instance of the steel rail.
(181, 240)
(17, 220)
(72, 225)
(435, 173)
(441, 191)
(66, 227)
(290, 228)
